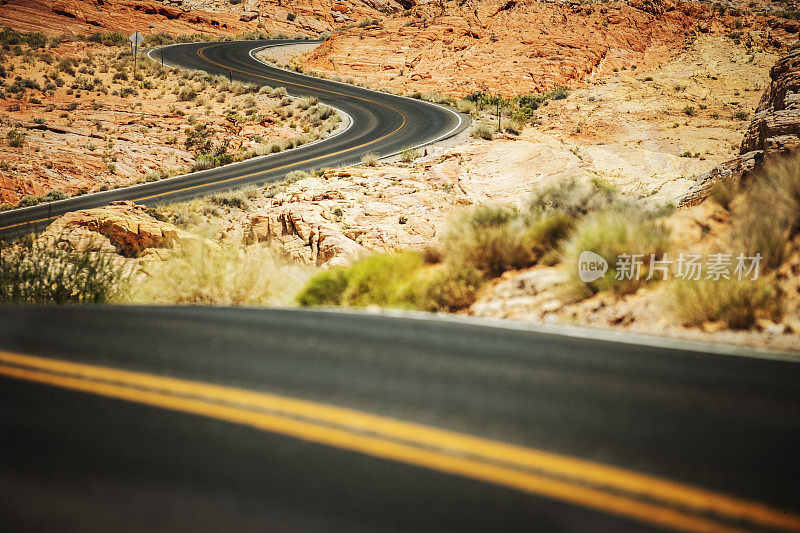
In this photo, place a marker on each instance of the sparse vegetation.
(370, 159)
(482, 130)
(207, 273)
(409, 155)
(34, 272)
(738, 303)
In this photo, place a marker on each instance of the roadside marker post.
(137, 39)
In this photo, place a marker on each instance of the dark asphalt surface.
(381, 123)
(76, 462)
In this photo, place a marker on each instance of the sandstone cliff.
(774, 130)
(515, 46)
(189, 16)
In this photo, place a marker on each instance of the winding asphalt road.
(209, 419)
(381, 123)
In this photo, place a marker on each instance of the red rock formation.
(123, 227)
(512, 46)
(774, 130)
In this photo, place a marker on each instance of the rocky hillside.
(774, 130)
(515, 46)
(189, 16)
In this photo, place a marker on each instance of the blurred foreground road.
(209, 419)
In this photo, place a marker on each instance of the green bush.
(54, 195)
(382, 279)
(41, 273)
(409, 155)
(399, 280)
(16, 139)
(28, 201)
(324, 288)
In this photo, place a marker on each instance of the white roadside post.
(136, 40)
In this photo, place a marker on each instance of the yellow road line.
(431, 459)
(445, 442)
(303, 162)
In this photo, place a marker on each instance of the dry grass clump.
(33, 272)
(370, 159)
(767, 215)
(482, 131)
(612, 234)
(765, 212)
(205, 273)
(490, 239)
(738, 303)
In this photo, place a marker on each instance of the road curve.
(381, 123)
(211, 419)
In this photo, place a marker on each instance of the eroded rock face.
(774, 130)
(334, 219)
(512, 46)
(122, 227)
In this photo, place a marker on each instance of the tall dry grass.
(205, 273)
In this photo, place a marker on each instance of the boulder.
(123, 227)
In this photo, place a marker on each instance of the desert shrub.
(277, 92)
(290, 17)
(739, 303)
(111, 38)
(324, 288)
(409, 155)
(610, 234)
(741, 115)
(489, 239)
(33, 272)
(187, 94)
(382, 279)
(689, 111)
(234, 199)
(513, 127)
(724, 193)
(15, 138)
(465, 106)
(482, 131)
(767, 216)
(203, 162)
(28, 201)
(370, 159)
(54, 195)
(296, 175)
(575, 198)
(206, 273)
(448, 287)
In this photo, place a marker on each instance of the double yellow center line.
(584, 483)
